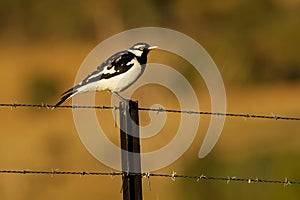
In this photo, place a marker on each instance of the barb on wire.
(173, 176)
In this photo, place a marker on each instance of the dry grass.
(44, 139)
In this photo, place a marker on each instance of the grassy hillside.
(255, 45)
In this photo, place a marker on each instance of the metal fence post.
(130, 143)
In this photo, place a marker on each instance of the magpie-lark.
(116, 74)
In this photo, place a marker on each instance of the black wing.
(117, 64)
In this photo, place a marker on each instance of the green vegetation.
(251, 41)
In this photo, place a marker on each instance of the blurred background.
(255, 44)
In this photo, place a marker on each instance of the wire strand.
(158, 110)
(275, 117)
(172, 176)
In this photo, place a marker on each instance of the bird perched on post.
(116, 74)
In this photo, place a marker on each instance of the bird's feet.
(120, 97)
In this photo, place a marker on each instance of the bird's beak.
(152, 47)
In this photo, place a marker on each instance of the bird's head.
(141, 49)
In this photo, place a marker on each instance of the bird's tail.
(66, 95)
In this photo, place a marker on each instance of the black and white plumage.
(116, 74)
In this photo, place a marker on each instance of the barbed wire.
(49, 106)
(158, 110)
(275, 117)
(56, 172)
(173, 176)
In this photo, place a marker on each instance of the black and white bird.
(116, 74)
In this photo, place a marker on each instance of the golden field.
(41, 139)
(255, 45)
